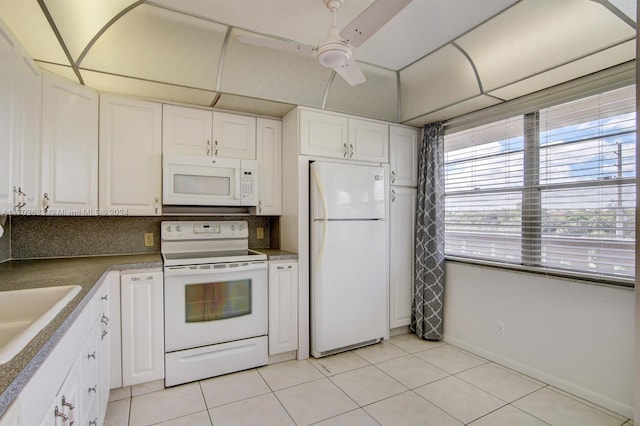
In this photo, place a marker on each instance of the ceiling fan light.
(334, 55)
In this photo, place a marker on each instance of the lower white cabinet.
(142, 324)
(402, 218)
(283, 306)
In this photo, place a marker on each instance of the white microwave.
(198, 180)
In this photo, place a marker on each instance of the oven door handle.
(173, 271)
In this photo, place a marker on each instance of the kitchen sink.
(23, 313)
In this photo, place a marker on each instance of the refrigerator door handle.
(325, 214)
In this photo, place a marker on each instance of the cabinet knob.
(93, 422)
(105, 297)
(93, 389)
(45, 202)
(60, 414)
(89, 356)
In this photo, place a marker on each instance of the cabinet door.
(368, 141)
(323, 134)
(234, 136)
(70, 399)
(69, 145)
(11, 417)
(402, 217)
(283, 307)
(403, 158)
(106, 325)
(115, 335)
(269, 153)
(186, 130)
(142, 327)
(130, 156)
(27, 156)
(8, 98)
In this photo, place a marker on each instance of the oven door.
(208, 304)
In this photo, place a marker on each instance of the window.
(553, 189)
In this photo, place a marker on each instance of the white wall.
(573, 335)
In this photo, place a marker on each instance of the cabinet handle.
(149, 277)
(346, 151)
(393, 176)
(89, 356)
(104, 333)
(105, 297)
(104, 319)
(20, 203)
(259, 206)
(284, 267)
(93, 422)
(215, 153)
(157, 204)
(59, 413)
(45, 202)
(208, 147)
(393, 195)
(93, 389)
(351, 146)
(135, 279)
(67, 404)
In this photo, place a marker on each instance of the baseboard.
(560, 383)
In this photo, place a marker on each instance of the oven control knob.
(177, 228)
(233, 227)
(169, 228)
(240, 227)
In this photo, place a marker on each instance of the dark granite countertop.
(276, 254)
(87, 272)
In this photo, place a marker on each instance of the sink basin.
(23, 313)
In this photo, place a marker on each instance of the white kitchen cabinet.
(234, 136)
(324, 135)
(402, 215)
(105, 325)
(69, 146)
(115, 335)
(269, 156)
(403, 155)
(141, 301)
(186, 130)
(66, 408)
(12, 416)
(8, 127)
(368, 141)
(283, 306)
(333, 135)
(130, 181)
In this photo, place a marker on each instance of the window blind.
(553, 189)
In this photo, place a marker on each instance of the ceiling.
(435, 60)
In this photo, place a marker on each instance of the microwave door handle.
(238, 184)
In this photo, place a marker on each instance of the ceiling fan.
(336, 51)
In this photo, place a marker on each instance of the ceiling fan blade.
(273, 43)
(371, 20)
(351, 73)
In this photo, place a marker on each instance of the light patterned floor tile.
(508, 415)
(233, 387)
(166, 404)
(196, 419)
(380, 352)
(557, 409)
(119, 393)
(339, 363)
(409, 409)
(585, 402)
(412, 371)
(367, 385)
(118, 413)
(450, 359)
(314, 401)
(412, 343)
(289, 373)
(259, 410)
(505, 384)
(353, 418)
(460, 399)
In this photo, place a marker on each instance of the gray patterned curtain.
(426, 312)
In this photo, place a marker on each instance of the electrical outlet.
(260, 232)
(148, 239)
(500, 329)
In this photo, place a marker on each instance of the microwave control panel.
(248, 185)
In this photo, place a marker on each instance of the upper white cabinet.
(403, 158)
(337, 136)
(130, 156)
(234, 136)
(186, 130)
(368, 140)
(269, 156)
(204, 132)
(69, 145)
(402, 218)
(20, 132)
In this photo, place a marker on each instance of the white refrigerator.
(349, 257)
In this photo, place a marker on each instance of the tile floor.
(404, 381)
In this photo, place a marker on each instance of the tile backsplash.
(64, 236)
